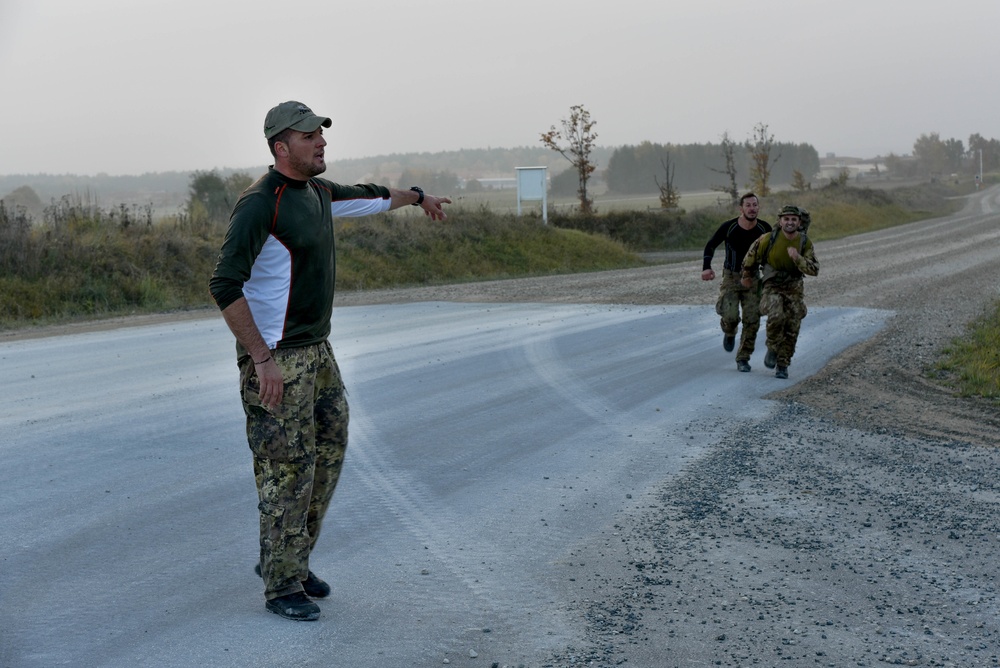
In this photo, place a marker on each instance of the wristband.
(266, 359)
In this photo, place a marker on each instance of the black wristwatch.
(419, 191)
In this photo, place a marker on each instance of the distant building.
(499, 183)
(831, 167)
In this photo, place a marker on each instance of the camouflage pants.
(733, 298)
(785, 307)
(298, 450)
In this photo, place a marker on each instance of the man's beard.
(308, 168)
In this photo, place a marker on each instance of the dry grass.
(82, 262)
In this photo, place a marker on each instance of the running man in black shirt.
(734, 297)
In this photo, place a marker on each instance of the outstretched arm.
(431, 204)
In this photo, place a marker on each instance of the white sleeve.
(353, 208)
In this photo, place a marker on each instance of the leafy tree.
(633, 169)
(564, 184)
(799, 182)
(990, 152)
(728, 147)
(931, 154)
(760, 146)
(211, 198)
(954, 152)
(623, 173)
(578, 133)
(16, 249)
(26, 199)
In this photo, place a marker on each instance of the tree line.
(636, 169)
(643, 168)
(934, 157)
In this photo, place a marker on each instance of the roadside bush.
(651, 230)
(16, 247)
(83, 262)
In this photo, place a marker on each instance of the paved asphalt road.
(488, 444)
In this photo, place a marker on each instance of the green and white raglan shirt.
(279, 253)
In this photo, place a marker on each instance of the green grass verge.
(390, 250)
(971, 363)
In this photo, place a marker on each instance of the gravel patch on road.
(800, 541)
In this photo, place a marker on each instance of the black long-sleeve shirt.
(737, 241)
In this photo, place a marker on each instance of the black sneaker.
(742, 365)
(312, 585)
(295, 606)
(315, 587)
(728, 342)
(770, 359)
(782, 372)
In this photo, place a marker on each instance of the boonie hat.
(294, 115)
(789, 210)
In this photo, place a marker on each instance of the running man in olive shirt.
(274, 284)
(738, 234)
(785, 255)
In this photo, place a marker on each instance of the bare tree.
(669, 196)
(759, 146)
(578, 133)
(729, 155)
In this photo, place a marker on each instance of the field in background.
(505, 201)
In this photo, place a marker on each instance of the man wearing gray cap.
(274, 284)
(783, 257)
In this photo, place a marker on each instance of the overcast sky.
(134, 86)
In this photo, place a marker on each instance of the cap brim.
(312, 124)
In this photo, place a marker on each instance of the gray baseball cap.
(294, 115)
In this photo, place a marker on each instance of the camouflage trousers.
(734, 298)
(298, 450)
(785, 307)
